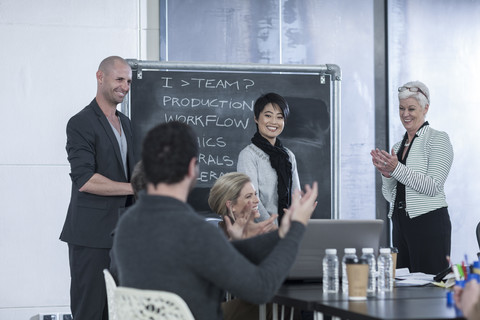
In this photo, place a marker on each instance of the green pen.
(460, 271)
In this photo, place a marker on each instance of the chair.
(139, 304)
(111, 287)
(213, 220)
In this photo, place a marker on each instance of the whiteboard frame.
(332, 70)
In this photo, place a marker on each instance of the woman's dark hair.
(276, 100)
(138, 179)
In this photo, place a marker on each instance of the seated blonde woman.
(234, 197)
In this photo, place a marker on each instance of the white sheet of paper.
(403, 278)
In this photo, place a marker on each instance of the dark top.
(93, 148)
(400, 199)
(162, 244)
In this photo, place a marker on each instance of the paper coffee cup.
(357, 273)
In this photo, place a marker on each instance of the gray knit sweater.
(162, 244)
(255, 163)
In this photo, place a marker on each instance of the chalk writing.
(169, 101)
(208, 120)
(209, 176)
(204, 83)
(205, 142)
(166, 82)
(215, 160)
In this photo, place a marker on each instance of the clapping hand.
(301, 208)
(245, 225)
(384, 162)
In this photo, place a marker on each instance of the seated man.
(162, 244)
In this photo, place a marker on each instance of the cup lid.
(353, 260)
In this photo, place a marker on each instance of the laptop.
(323, 234)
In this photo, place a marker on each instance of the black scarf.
(280, 161)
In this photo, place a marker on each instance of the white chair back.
(111, 286)
(138, 304)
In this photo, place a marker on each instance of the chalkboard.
(217, 101)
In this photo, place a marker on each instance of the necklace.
(407, 144)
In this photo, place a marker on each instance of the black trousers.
(423, 242)
(88, 295)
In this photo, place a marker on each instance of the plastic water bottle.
(330, 271)
(385, 271)
(348, 253)
(367, 254)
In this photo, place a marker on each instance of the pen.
(464, 270)
(460, 272)
(455, 272)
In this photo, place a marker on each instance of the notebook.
(322, 234)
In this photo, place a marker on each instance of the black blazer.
(93, 148)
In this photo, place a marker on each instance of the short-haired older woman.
(271, 166)
(233, 197)
(413, 178)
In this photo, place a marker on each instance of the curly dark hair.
(167, 151)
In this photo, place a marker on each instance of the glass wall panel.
(236, 31)
(293, 32)
(437, 42)
(341, 32)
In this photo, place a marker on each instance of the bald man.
(101, 156)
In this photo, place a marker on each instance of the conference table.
(403, 303)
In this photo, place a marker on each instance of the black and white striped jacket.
(424, 175)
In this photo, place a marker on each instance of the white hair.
(422, 98)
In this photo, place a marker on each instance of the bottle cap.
(476, 264)
(331, 251)
(367, 250)
(385, 250)
(350, 250)
(474, 276)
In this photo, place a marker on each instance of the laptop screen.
(323, 234)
